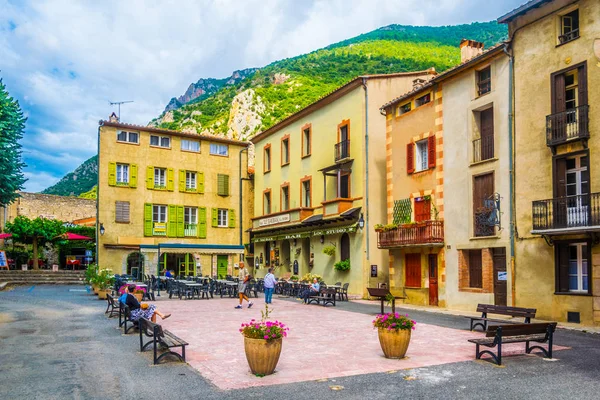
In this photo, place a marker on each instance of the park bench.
(485, 309)
(124, 317)
(160, 337)
(521, 333)
(112, 308)
(326, 296)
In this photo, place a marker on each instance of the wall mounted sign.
(502, 275)
(373, 271)
(335, 231)
(295, 267)
(278, 219)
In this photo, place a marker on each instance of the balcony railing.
(567, 125)
(581, 211)
(342, 150)
(190, 230)
(417, 233)
(159, 229)
(567, 37)
(483, 148)
(484, 86)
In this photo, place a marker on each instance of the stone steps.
(42, 277)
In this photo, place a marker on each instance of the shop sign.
(264, 239)
(335, 231)
(293, 236)
(278, 219)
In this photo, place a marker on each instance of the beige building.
(171, 200)
(320, 173)
(556, 54)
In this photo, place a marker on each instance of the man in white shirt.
(269, 284)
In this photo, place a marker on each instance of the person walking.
(269, 284)
(243, 278)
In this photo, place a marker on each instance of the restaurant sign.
(264, 239)
(336, 231)
(274, 220)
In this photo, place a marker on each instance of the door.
(483, 190)
(222, 266)
(577, 188)
(487, 134)
(500, 276)
(433, 280)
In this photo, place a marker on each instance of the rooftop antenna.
(118, 103)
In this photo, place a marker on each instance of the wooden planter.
(95, 288)
(262, 355)
(102, 293)
(394, 343)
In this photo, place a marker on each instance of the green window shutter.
(180, 224)
(150, 178)
(231, 218)
(200, 177)
(172, 221)
(222, 185)
(226, 184)
(182, 180)
(170, 179)
(147, 219)
(112, 173)
(214, 217)
(133, 176)
(202, 222)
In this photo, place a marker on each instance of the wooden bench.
(521, 333)
(485, 309)
(112, 308)
(160, 337)
(124, 317)
(326, 296)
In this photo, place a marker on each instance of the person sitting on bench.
(138, 310)
(313, 290)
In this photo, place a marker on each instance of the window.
(129, 137)
(422, 209)
(423, 100)
(190, 145)
(404, 108)
(344, 186)
(484, 81)
(306, 200)
(345, 247)
(573, 267)
(342, 148)
(475, 269)
(219, 149)
(412, 272)
(222, 218)
(190, 221)
(159, 214)
(190, 180)
(267, 159)
(222, 185)
(306, 141)
(421, 155)
(122, 211)
(160, 178)
(267, 202)
(571, 84)
(569, 27)
(483, 207)
(285, 151)
(285, 198)
(483, 148)
(123, 174)
(160, 141)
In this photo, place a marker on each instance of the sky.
(65, 60)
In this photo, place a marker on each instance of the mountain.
(207, 87)
(77, 182)
(270, 94)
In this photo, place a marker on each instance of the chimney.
(417, 83)
(113, 118)
(469, 49)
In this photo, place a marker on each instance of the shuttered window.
(412, 274)
(422, 209)
(422, 155)
(222, 185)
(475, 269)
(222, 218)
(120, 174)
(122, 211)
(573, 267)
(431, 156)
(483, 191)
(410, 158)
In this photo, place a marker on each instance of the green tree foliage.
(90, 194)
(37, 232)
(12, 124)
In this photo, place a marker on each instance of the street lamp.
(361, 221)
(102, 230)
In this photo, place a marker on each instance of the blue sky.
(65, 60)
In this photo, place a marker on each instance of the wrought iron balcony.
(567, 125)
(567, 37)
(414, 234)
(342, 150)
(570, 213)
(483, 148)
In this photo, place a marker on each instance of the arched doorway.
(285, 256)
(135, 264)
(345, 247)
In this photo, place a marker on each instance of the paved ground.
(55, 343)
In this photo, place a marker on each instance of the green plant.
(90, 273)
(343, 265)
(329, 250)
(393, 321)
(264, 329)
(105, 279)
(390, 227)
(309, 277)
(294, 278)
(378, 227)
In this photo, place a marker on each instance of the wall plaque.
(274, 220)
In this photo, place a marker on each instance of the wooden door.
(412, 273)
(483, 189)
(433, 280)
(487, 134)
(500, 276)
(422, 210)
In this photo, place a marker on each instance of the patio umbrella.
(5, 235)
(74, 236)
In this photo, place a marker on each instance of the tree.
(37, 232)
(12, 124)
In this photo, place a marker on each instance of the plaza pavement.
(55, 343)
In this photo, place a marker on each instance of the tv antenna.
(118, 103)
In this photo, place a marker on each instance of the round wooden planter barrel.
(95, 289)
(262, 355)
(102, 293)
(394, 343)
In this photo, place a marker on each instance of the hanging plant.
(329, 250)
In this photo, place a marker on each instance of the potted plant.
(294, 278)
(139, 294)
(329, 250)
(262, 343)
(343, 265)
(90, 274)
(104, 280)
(394, 332)
(378, 227)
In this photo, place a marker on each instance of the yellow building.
(447, 147)
(556, 54)
(320, 174)
(172, 200)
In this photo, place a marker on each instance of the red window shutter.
(431, 151)
(410, 158)
(412, 275)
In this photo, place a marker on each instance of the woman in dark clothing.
(138, 310)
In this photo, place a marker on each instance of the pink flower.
(266, 336)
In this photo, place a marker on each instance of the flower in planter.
(264, 329)
(394, 321)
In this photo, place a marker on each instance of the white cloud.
(38, 181)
